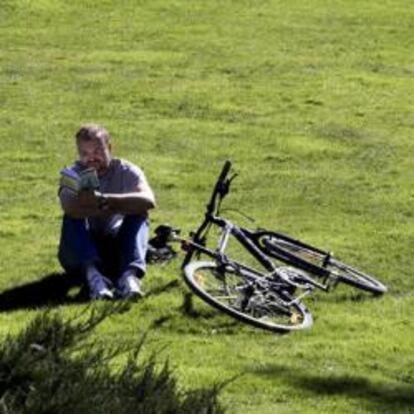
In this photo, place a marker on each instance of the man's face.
(95, 154)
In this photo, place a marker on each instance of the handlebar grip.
(225, 170)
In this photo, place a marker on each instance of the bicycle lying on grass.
(270, 299)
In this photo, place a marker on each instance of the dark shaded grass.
(380, 396)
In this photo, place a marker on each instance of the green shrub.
(50, 367)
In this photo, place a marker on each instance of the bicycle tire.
(354, 277)
(316, 261)
(226, 290)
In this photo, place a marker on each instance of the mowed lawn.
(313, 103)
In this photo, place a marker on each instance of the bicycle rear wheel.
(248, 300)
(316, 261)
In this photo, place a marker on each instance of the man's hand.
(88, 199)
(87, 203)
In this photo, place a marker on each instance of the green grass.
(313, 103)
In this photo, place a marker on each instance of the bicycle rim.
(228, 291)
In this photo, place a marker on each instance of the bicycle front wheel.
(249, 301)
(316, 261)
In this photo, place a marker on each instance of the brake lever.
(224, 186)
(232, 177)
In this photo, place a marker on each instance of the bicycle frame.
(247, 239)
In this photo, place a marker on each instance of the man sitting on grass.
(105, 227)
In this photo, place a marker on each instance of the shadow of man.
(52, 290)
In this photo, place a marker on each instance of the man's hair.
(90, 132)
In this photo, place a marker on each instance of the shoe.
(98, 287)
(129, 287)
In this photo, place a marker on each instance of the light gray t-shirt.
(121, 177)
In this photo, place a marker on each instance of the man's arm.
(137, 202)
(92, 203)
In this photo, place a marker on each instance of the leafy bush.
(51, 368)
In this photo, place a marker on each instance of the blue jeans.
(112, 254)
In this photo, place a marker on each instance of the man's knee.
(134, 228)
